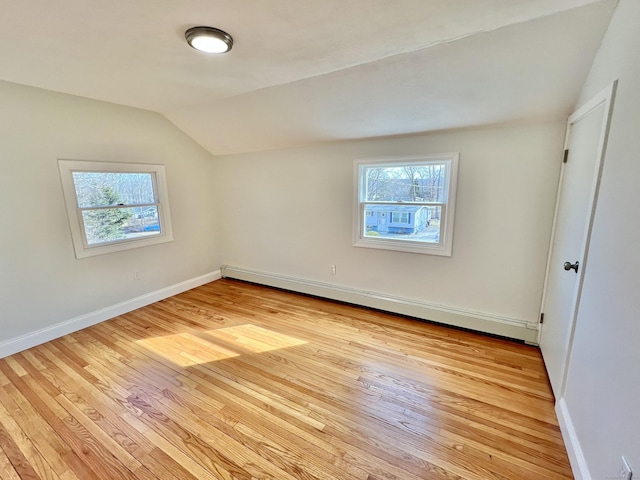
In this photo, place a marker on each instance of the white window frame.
(445, 245)
(74, 212)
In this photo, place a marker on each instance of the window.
(399, 217)
(115, 206)
(406, 203)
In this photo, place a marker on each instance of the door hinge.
(565, 157)
(542, 318)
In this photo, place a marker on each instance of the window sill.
(408, 246)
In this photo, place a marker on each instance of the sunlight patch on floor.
(255, 339)
(195, 348)
(187, 349)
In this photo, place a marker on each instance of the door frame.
(605, 97)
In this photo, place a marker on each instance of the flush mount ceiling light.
(209, 39)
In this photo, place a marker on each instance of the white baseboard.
(47, 334)
(574, 451)
(482, 322)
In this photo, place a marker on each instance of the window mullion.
(371, 202)
(107, 207)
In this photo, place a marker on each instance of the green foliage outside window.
(105, 224)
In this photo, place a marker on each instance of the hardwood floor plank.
(180, 435)
(388, 405)
(13, 406)
(19, 463)
(326, 416)
(7, 469)
(95, 455)
(236, 381)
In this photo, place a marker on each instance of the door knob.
(571, 266)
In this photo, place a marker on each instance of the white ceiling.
(304, 71)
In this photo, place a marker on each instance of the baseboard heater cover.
(481, 322)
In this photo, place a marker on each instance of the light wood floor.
(237, 381)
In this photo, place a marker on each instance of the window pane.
(408, 183)
(400, 217)
(403, 222)
(106, 225)
(101, 189)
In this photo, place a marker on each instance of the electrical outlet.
(333, 269)
(624, 472)
(137, 275)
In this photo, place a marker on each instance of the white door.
(580, 178)
(382, 223)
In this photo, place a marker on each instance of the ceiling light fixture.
(209, 39)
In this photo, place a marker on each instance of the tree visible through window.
(116, 206)
(105, 224)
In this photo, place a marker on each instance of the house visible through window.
(115, 206)
(406, 203)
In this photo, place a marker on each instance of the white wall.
(41, 282)
(603, 385)
(289, 212)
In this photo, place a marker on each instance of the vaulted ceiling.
(307, 71)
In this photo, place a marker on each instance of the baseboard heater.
(477, 321)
